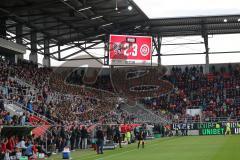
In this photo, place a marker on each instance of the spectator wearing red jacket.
(10, 144)
(3, 148)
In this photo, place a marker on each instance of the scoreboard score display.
(130, 50)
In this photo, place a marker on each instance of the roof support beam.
(36, 30)
(90, 58)
(61, 50)
(82, 49)
(29, 7)
(20, 20)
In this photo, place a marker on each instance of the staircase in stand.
(40, 131)
(143, 114)
(41, 122)
(42, 125)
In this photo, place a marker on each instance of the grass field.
(176, 148)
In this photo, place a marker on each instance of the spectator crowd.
(74, 109)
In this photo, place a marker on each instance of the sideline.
(152, 145)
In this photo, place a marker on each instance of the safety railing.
(143, 115)
(31, 112)
(22, 82)
(207, 119)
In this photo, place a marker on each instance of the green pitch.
(176, 148)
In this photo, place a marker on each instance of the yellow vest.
(128, 135)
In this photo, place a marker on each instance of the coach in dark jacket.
(117, 136)
(100, 141)
(84, 136)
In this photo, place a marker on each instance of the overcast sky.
(188, 8)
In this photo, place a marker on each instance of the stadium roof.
(196, 25)
(65, 21)
(81, 22)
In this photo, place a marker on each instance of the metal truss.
(69, 23)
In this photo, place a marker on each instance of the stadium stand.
(216, 93)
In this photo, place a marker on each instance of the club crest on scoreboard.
(144, 50)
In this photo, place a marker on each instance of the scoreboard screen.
(130, 50)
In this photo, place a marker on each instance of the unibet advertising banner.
(205, 125)
(217, 131)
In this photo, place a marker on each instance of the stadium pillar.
(159, 50)
(33, 55)
(46, 58)
(3, 27)
(207, 62)
(205, 38)
(59, 52)
(207, 53)
(19, 39)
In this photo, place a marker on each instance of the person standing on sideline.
(141, 137)
(117, 136)
(84, 136)
(228, 128)
(73, 139)
(100, 141)
(78, 137)
(128, 136)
